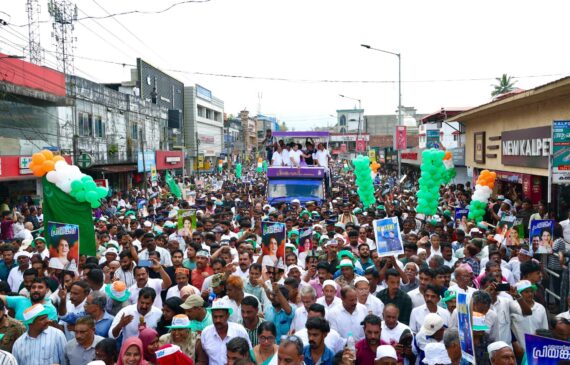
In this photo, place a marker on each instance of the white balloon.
(51, 177)
(60, 164)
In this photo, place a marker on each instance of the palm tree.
(505, 85)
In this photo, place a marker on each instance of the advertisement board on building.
(528, 147)
(349, 137)
(166, 160)
(432, 138)
(26, 74)
(458, 155)
(360, 145)
(561, 151)
(149, 161)
(160, 87)
(401, 137)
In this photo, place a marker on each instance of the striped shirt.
(7, 358)
(47, 348)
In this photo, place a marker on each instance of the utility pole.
(197, 162)
(143, 164)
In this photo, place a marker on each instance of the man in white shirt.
(392, 329)
(150, 246)
(277, 157)
(285, 155)
(128, 320)
(329, 300)
(373, 305)
(16, 275)
(333, 340)
(221, 331)
(417, 295)
(143, 281)
(308, 298)
(522, 324)
(464, 278)
(295, 156)
(322, 156)
(431, 297)
(566, 228)
(347, 317)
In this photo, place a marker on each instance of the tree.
(505, 84)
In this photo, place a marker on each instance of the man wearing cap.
(214, 338)
(182, 276)
(347, 317)
(128, 319)
(431, 331)
(386, 355)
(16, 275)
(522, 324)
(180, 334)
(347, 276)
(199, 317)
(501, 353)
(329, 299)
(40, 247)
(41, 344)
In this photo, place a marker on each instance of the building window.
(455, 137)
(85, 126)
(342, 121)
(201, 111)
(134, 131)
(209, 114)
(99, 127)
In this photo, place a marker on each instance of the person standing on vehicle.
(268, 143)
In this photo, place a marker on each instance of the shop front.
(512, 136)
(170, 160)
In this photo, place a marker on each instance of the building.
(203, 128)
(349, 121)
(348, 145)
(385, 124)
(250, 140)
(233, 140)
(512, 137)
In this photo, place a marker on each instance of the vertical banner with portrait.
(464, 327)
(388, 237)
(186, 222)
(305, 239)
(273, 242)
(64, 244)
(541, 235)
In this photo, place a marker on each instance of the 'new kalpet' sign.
(526, 147)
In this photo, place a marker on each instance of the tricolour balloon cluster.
(67, 177)
(481, 195)
(432, 171)
(259, 165)
(450, 172)
(364, 180)
(238, 170)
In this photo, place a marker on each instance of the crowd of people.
(156, 293)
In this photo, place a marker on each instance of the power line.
(129, 12)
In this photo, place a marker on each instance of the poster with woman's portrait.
(186, 222)
(541, 236)
(273, 242)
(64, 244)
(305, 239)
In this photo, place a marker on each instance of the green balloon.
(80, 196)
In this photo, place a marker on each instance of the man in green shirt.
(200, 318)
(38, 293)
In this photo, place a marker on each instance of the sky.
(451, 51)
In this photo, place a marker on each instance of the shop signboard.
(528, 147)
(360, 145)
(458, 156)
(561, 151)
(25, 165)
(401, 137)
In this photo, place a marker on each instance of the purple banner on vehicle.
(295, 172)
(293, 134)
(546, 351)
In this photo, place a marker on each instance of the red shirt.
(198, 278)
(364, 354)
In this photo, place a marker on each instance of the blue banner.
(460, 213)
(464, 327)
(541, 236)
(546, 351)
(388, 237)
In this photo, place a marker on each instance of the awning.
(114, 169)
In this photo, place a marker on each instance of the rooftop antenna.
(64, 13)
(34, 47)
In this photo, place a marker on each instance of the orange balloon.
(48, 166)
(47, 154)
(39, 171)
(58, 158)
(447, 155)
(38, 158)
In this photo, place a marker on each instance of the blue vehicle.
(305, 183)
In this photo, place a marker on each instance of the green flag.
(63, 208)
(174, 189)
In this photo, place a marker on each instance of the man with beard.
(431, 297)
(38, 292)
(364, 253)
(41, 344)
(202, 269)
(250, 318)
(150, 246)
(366, 348)
(316, 352)
(212, 346)
(182, 278)
(126, 272)
(68, 311)
(128, 319)
(245, 261)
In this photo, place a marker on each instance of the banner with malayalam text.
(64, 244)
(546, 351)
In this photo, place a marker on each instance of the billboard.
(561, 151)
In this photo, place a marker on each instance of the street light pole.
(399, 96)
